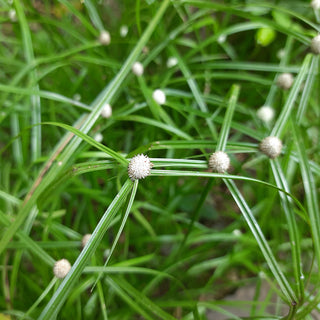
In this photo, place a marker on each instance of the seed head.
(98, 137)
(271, 147)
(285, 81)
(12, 15)
(171, 62)
(85, 239)
(315, 44)
(137, 69)
(104, 38)
(159, 96)
(219, 162)
(106, 111)
(315, 4)
(139, 167)
(124, 31)
(265, 113)
(61, 268)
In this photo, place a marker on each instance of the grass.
(182, 242)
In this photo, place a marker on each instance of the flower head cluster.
(315, 44)
(139, 167)
(61, 268)
(137, 68)
(106, 111)
(285, 81)
(104, 38)
(265, 113)
(85, 239)
(219, 162)
(315, 4)
(271, 147)
(159, 96)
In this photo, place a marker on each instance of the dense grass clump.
(159, 159)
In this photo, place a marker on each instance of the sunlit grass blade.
(310, 190)
(59, 297)
(289, 294)
(224, 133)
(123, 222)
(290, 102)
(35, 100)
(292, 226)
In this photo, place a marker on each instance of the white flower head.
(85, 239)
(271, 147)
(159, 96)
(281, 53)
(265, 113)
(219, 162)
(137, 68)
(12, 15)
(315, 44)
(124, 31)
(61, 268)
(106, 111)
(171, 62)
(139, 167)
(98, 137)
(237, 232)
(285, 81)
(222, 38)
(104, 38)
(315, 4)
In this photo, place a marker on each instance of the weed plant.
(186, 240)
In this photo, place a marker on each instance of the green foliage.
(184, 242)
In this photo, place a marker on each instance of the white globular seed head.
(61, 268)
(85, 239)
(315, 4)
(159, 96)
(285, 81)
(98, 137)
(315, 44)
(124, 31)
(171, 62)
(265, 113)
(139, 167)
(271, 147)
(106, 111)
(104, 38)
(137, 69)
(219, 162)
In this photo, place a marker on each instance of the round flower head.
(139, 167)
(12, 15)
(85, 239)
(271, 147)
(285, 81)
(315, 4)
(315, 44)
(98, 137)
(159, 96)
(124, 31)
(61, 268)
(104, 38)
(219, 162)
(137, 69)
(106, 111)
(171, 62)
(265, 113)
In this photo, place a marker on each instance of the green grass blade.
(292, 226)
(94, 143)
(287, 108)
(289, 294)
(35, 100)
(223, 136)
(59, 297)
(310, 190)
